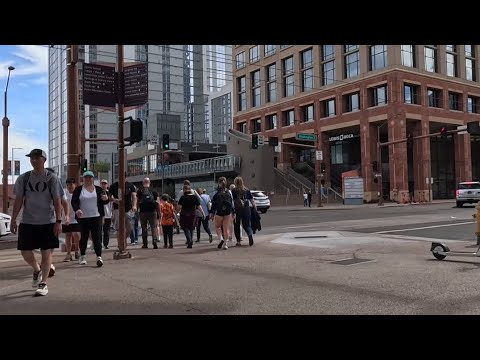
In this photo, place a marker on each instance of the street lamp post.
(5, 124)
(12, 166)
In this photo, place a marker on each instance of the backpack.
(224, 201)
(241, 201)
(147, 200)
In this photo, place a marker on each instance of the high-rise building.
(181, 79)
(349, 97)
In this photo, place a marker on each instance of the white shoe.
(83, 260)
(99, 261)
(52, 271)
(42, 290)
(37, 278)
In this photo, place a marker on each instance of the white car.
(5, 220)
(261, 200)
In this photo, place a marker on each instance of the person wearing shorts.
(40, 194)
(72, 230)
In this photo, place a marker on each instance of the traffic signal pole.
(73, 146)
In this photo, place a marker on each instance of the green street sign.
(306, 137)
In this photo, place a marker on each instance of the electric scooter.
(441, 251)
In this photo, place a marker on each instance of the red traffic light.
(443, 130)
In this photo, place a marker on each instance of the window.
(288, 77)
(257, 125)
(470, 63)
(451, 60)
(328, 108)
(431, 58)
(240, 60)
(472, 104)
(254, 54)
(434, 97)
(284, 46)
(256, 99)
(352, 102)
(308, 113)
(307, 70)
(378, 57)
(242, 93)
(336, 154)
(408, 55)
(270, 49)
(288, 117)
(378, 95)
(272, 83)
(242, 127)
(352, 61)
(454, 101)
(411, 94)
(328, 64)
(271, 121)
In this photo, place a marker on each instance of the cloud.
(27, 60)
(42, 80)
(23, 84)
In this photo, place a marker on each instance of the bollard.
(477, 217)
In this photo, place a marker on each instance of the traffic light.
(323, 167)
(132, 130)
(473, 128)
(443, 133)
(273, 141)
(166, 142)
(254, 141)
(375, 166)
(85, 165)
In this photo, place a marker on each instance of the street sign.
(319, 155)
(136, 84)
(261, 140)
(306, 137)
(462, 127)
(154, 140)
(99, 85)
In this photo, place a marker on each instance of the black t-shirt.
(129, 189)
(189, 203)
(150, 204)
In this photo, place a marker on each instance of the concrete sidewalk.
(348, 207)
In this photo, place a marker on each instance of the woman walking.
(188, 205)
(88, 202)
(222, 212)
(167, 220)
(243, 200)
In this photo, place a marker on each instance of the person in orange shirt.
(168, 219)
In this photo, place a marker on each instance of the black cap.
(38, 152)
(70, 181)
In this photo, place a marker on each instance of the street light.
(5, 124)
(12, 165)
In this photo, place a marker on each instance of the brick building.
(352, 95)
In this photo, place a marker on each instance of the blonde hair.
(239, 184)
(187, 189)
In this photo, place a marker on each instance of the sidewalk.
(349, 207)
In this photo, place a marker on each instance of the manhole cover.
(351, 261)
(310, 237)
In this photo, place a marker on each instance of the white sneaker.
(42, 290)
(225, 246)
(99, 261)
(37, 278)
(52, 271)
(83, 260)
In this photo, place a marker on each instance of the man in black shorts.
(40, 193)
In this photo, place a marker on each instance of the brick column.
(421, 161)
(463, 158)
(368, 145)
(398, 160)
(324, 145)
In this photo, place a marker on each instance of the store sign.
(343, 137)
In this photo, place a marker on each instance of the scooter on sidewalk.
(441, 251)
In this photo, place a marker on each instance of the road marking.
(424, 227)
(11, 259)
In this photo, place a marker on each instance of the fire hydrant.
(477, 217)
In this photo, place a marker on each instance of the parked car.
(468, 193)
(5, 220)
(261, 200)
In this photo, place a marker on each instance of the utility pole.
(379, 170)
(5, 124)
(73, 159)
(121, 238)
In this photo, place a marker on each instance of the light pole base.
(117, 255)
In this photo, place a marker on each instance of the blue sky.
(27, 99)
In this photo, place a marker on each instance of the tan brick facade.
(395, 119)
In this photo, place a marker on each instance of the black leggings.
(93, 225)
(167, 234)
(106, 231)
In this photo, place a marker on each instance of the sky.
(27, 99)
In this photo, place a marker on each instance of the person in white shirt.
(72, 231)
(305, 199)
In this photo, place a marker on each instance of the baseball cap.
(88, 173)
(37, 152)
(104, 181)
